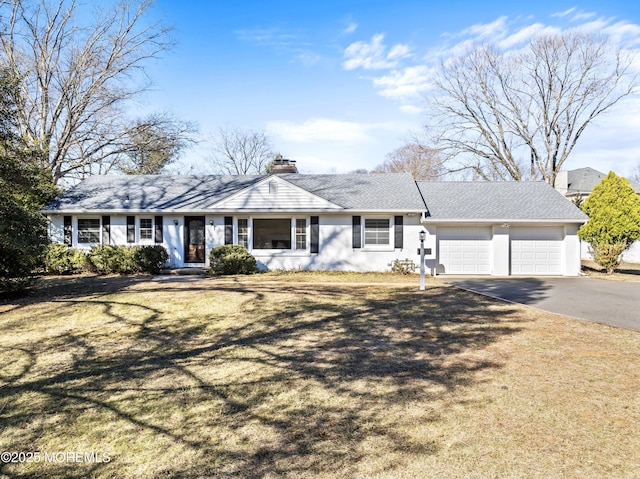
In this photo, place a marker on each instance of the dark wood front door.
(194, 239)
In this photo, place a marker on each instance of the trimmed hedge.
(60, 259)
(150, 259)
(232, 259)
(106, 259)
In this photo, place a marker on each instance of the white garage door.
(464, 250)
(536, 250)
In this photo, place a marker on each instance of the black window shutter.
(356, 241)
(228, 230)
(106, 229)
(67, 231)
(131, 229)
(158, 230)
(315, 234)
(397, 221)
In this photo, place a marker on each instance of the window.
(272, 233)
(243, 232)
(376, 232)
(301, 233)
(89, 230)
(146, 229)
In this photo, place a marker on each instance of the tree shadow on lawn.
(303, 380)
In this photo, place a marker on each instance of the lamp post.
(423, 235)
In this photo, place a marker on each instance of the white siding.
(632, 255)
(56, 229)
(274, 193)
(336, 251)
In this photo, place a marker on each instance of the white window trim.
(77, 233)
(294, 233)
(139, 230)
(236, 231)
(293, 251)
(377, 247)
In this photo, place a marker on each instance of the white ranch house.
(354, 222)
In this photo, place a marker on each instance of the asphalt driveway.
(614, 303)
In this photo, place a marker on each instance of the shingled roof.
(363, 191)
(379, 192)
(496, 201)
(582, 180)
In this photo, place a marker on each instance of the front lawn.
(310, 375)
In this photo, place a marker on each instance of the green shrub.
(108, 259)
(405, 266)
(151, 259)
(60, 259)
(608, 256)
(232, 259)
(126, 260)
(614, 220)
(105, 259)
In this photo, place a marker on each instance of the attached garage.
(464, 250)
(500, 228)
(537, 250)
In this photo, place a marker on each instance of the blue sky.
(339, 84)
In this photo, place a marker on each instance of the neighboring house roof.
(582, 180)
(496, 201)
(366, 192)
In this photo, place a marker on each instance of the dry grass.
(311, 376)
(625, 272)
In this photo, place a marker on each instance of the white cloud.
(411, 109)
(324, 145)
(565, 13)
(266, 36)
(594, 27)
(582, 16)
(398, 51)
(624, 32)
(308, 58)
(321, 129)
(522, 35)
(486, 30)
(352, 27)
(373, 55)
(406, 83)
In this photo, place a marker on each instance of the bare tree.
(422, 162)
(241, 152)
(155, 142)
(635, 174)
(77, 81)
(518, 115)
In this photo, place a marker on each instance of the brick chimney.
(282, 165)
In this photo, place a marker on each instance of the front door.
(194, 239)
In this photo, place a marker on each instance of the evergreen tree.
(614, 220)
(24, 188)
